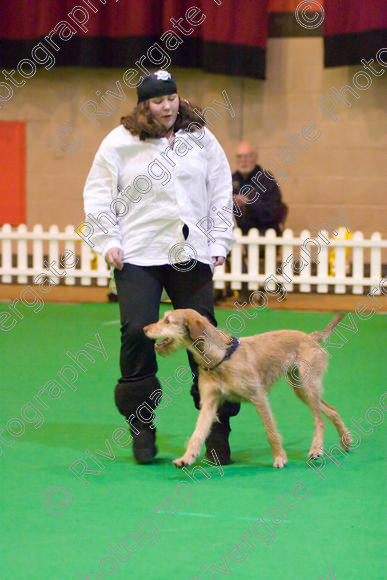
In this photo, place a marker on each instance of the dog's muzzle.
(163, 342)
(159, 346)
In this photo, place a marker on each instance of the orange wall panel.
(12, 172)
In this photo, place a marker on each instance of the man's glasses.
(246, 156)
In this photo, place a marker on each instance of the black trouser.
(139, 292)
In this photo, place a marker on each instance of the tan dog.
(248, 374)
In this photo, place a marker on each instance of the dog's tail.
(324, 334)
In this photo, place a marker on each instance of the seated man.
(266, 210)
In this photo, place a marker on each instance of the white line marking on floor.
(218, 516)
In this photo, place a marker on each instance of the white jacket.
(139, 194)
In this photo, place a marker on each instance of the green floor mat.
(244, 521)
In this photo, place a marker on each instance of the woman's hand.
(217, 260)
(114, 258)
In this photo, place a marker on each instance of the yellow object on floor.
(343, 234)
(94, 261)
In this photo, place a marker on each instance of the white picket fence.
(23, 253)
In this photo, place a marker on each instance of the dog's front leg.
(206, 417)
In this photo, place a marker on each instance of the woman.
(154, 182)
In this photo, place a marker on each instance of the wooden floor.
(317, 303)
(305, 302)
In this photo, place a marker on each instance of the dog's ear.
(195, 324)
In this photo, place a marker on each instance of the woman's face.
(164, 109)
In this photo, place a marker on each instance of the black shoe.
(218, 441)
(144, 448)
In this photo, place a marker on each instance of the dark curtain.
(231, 40)
(354, 30)
(105, 33)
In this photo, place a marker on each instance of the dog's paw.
(315, 454)
(179, 463)
(347, 441)
(280, 461)
(183, 461)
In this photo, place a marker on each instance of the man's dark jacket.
(264, 213)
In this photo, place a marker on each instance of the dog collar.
(233, 345)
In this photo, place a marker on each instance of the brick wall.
(343, 167)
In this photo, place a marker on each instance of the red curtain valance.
(231, 39)
(104, 33)
(354, 30)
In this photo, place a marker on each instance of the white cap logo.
(162, 75)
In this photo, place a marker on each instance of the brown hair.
(141, 122)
